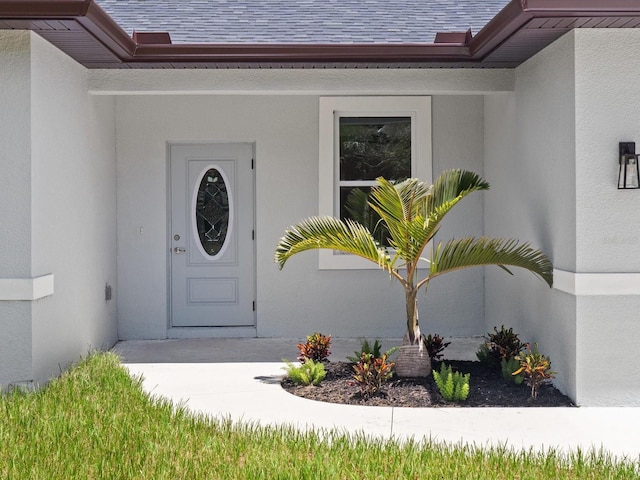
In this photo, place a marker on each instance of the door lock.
(179, 250)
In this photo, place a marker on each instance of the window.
(362, 138)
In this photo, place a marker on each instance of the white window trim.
(331, 109)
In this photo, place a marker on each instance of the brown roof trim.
(87, 33)
(368, 53)
(35, 9)
(106, 30)
(581, 7)
(518, 13)
(58, 15)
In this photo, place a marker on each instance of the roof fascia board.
(556, 8)
(516, 14)
(508, 21)
(87, 13)
(43, 9)
(99, 24)
(177, 53)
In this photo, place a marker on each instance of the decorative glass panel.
(212, 212)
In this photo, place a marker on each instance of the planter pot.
(413, 361)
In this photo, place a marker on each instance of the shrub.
(535, 367)
(435, 345)
(371, 373)
(316, 348)
(369, 349)
(308, 373)
(508, 366)
(484, 355)
(505, 343)
(454, 387)
(502, 344)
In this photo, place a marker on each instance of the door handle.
(179, 250)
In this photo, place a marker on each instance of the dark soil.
(487, 389)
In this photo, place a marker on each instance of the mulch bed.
(487, 389)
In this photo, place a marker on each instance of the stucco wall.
(57, 209)
(15, 202)
(608, 220)
(530, 161)
(552, 147)
(301, 298)
(74, 202)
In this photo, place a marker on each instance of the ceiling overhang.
(83, 30)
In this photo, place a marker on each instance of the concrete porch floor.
(238, 378)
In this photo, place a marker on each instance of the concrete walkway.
(239, 379)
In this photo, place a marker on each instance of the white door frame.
(206, 332)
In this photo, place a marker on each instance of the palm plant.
(412, 212)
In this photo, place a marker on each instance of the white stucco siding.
(15, 202)
(607, 324)
(15, 154)
(299, 299)
(607, 106)
(73, 223)
(608, 220)
(529, 159)
(310, 81)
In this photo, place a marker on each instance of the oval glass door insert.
(212, 212)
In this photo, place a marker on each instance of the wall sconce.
(628, 172)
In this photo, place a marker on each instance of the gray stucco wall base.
(551, 148)
(57, 211)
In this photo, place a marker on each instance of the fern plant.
(308, 373)
(508, 366)
(454, 387)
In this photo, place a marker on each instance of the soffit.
(83, 30)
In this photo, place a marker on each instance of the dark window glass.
(372, 147)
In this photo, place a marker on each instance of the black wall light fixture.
(628, 171)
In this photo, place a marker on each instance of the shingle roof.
(302, 21)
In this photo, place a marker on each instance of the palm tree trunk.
(413, 328)
(413, 359)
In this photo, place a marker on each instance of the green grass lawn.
(96, 422)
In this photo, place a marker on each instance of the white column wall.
(15, 202)
(608, 219)
(299, 299)
(57, 211)
(530, 161)
(74, 202)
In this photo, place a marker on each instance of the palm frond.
(471, 252)
(400, 202)
(402, 208)
(330, 233)
(453, 185)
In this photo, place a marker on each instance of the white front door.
(212, 231)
